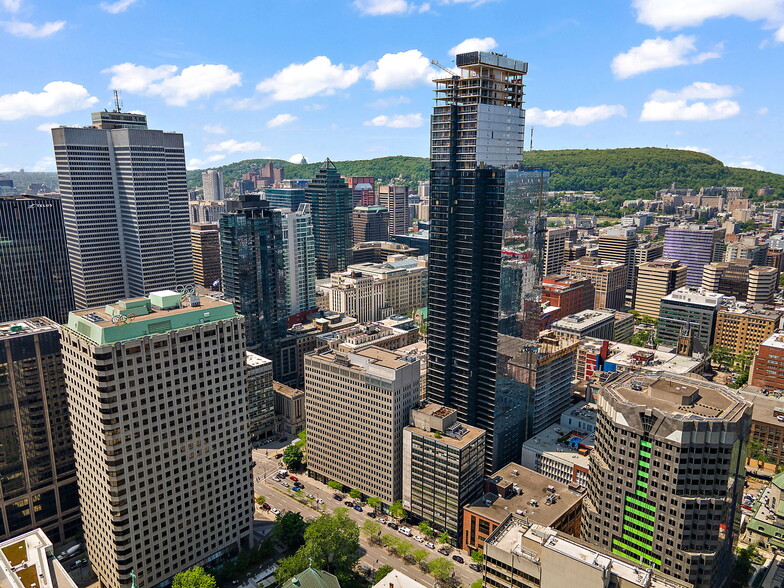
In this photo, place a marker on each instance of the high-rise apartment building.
(689, 309)
(666, 474)
(395, 199)
(254, 270)
(157, 396)
(356, 407)
(743, 327)
(554, 250)
(484, 229)
(38, 472)
(443, 467)
(363, 192)
(204, 211)
(205, 251)
(212, 185)
(371, 223)
(125, 207)
(618, 244)
(695, 246)
(608, 278)
(35, 279)
(261, 397)
(656, 279)
(746, 282)
(331, 205)
(300, 262)
(287, 196)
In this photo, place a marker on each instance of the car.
(319, 501)
(475, 567)
(430, 545)
(443, 551)
(299, 484)
(418, 539)
(392, 525)
(296, 489)
(405, 531)
(310, 495)
(371, 514)
(382, 520)
(337, 497)
(357, 508)
(294, 478)
(278, 456)
(275, 479)
(275, 511)
(285, 484)
(458, 559)
(266, 506)
(349, 504)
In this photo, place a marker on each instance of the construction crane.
(447, 70)
(117, 101)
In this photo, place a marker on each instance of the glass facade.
(331, 205)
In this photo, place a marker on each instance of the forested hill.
(617, 174)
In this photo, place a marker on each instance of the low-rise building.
(379, 251)
(767, 370)
(608, 278)
(390, 333)
(594, 356)
(28, 561)
(289, 409)
(767, 422)
(742, 327)
(515, 489)
(569, 295)
(261, 397)
(765, 514)
(689, 308)
(623, 328)
(588, 323)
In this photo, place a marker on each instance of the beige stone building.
(289, 408)
(655, 280)
(358, 295)
(404, 281)
(743, 327)
(357, 405)
(608, 278)
(157, 396)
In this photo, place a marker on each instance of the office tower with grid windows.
(655, 280)
(35, 279)
(695, 246)
(299, 260)
(205, 250)
(486, 243)
(157, 396)
(125, 207)
(667, 473)
(371, 223)
(38, 481)
(395, 199)
(213, 186)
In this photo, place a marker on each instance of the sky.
(352, 79)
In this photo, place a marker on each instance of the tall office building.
(362, 188)
(125, 206)
(747, 283)
(485, 246)
(290, 196)
(371, 223)
(262, 423)
(331, 205)
(666, 474)
(655, 280)
(695, 246)
(299, 259)
(35, 279)
(569, 295)
(254, 270)
(356, 407)
(212, 184)
(608, 278)
(395, 199)
(205, 251)
(157, 395)
(554, 250)
(686, 309)
(618, 244)
(38, 472)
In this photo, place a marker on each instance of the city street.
(375, 556)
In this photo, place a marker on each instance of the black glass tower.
(331, 203)
(35, 279)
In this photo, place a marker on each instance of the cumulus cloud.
(764, 111)
(56, 98)
(397, 121)
(296, 158)
(748, 165)
(659, 53)
(699, 101)
(117, 7)
(11, 5)
(694, 148)
(196, 163)
(676, 14)
(216, 129)
(382, 7)
(303, 80)
(46, 127)
(580, 116)
(281, 120)
(387, 102)
(474, 44)
(45, 164)
(234, 146)
(397, 71)
(29, 30)
(177, 89)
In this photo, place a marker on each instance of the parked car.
(266, 506)
(475, 567)
(430, 545)
(310, 496)
(405, 531)
(358, 508)
(294, 478)
(371, 514)
(418, 539)
(277, 456)
(349, 504)
(296, 489)
(275, 511)
(276, 479)
(458, 559)
(392, 525)
(443, 551)
(337, 497)
(319, 501)
(299, 484)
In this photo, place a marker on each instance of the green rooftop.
(311, 578)
(160, 312)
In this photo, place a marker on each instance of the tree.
(292, 457)
(261, 500)
(381, 573)
(332, 541)
(374, 502)
(420, 555)
(477, 583)
(742, 572)
(303, 439)
(397, 510)
(445, 538)
(288, 567)
(477, 556)
(404, 548)
(425, 528)
(441, 568)
(195, 577)
(721, 355)
(355, 494)
(371, 529)
(336, 486)
(289, 529)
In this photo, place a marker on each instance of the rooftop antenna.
(117, 101)
(531, 147)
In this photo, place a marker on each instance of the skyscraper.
(619, 244)
(485, 246)
(395, 199)
(38, 471)
(157, 392)
(299, 259)
(254, 270)
(695, 246)
(125, 206)
(554, 250)
(371, 223)
(331, 205)
(205, 249)
(35, 279)
(212, 184)
(655, 280)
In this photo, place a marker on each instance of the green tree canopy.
(288, 567)
(420, 555)
(477, 556)
(374, 502)
(371, 528)
(381, 573)
(336, 486)
(195, 577)
(292, 457)
(397, 510)
(441, 568)
(445, 538)
(355, 494)
(425, 528)
(332, 541)
(477, 583)
(289, 529)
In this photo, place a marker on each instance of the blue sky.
(350, 79)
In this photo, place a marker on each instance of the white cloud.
(689, 103)
(281, 120)
(676, 14)
(387, 102)
(474, 44)
(747, 164)
(764, 111)
(396, 71)
(296, 158)
(303, 80)
(196, 163)
(580, 116)
(117, 7)
(659, 53)
(56, 98)
(216, 129)
(47, 127)
(313, 107)
(30, 31)
(11, 5)
(234, 146)
(192, 83)
(694, 148)
(45, 164)
(382, 7)
(779, 35)
(397, 121)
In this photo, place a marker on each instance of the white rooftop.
(776, 340)
(695, 295)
